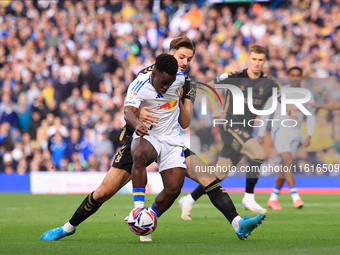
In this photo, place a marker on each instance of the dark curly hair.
(295, 68)
(166, 63)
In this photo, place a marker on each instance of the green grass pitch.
(315, 229)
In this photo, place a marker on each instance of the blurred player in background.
(238, 139)
(286, 141)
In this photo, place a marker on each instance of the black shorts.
(123, 158)
(234, 138)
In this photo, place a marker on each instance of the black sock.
(221, 200)
(253, 174)
(88, 207)
(199, 191)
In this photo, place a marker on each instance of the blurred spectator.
(57, 148)
(57, 127)
(331, 156)
(72, 143)
(63, 166)
(87, 77)
(323, 133)
(10, 116)
(66, 65)
(6, 141)
(8, 163)
(34, 124)
(87, 145)
(104, 163)
(76, 164)
(104, 147)
(92, 163)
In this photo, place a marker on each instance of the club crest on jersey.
(178, 91)
(132, 95)
(169, 105)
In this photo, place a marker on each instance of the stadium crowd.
(65, 67)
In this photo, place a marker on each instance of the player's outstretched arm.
(131, 119)
(327, 106)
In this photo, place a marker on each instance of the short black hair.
(295, 68)
(166, 63)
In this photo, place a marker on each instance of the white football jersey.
(165, 106)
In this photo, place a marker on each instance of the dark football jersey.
(189, 92)
(262, 90)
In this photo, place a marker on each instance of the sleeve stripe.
(143, 84)
(136, 85)
(180, 73)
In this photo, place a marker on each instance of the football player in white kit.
(286, 141)
(157, 89)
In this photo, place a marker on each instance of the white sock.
(294, 193)
(189, 199)
(235, 221)
(249, 196)
(274, 196)
(295, 197)
(139, 204)
(68, 227)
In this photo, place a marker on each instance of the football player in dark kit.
(237, 132)
(120, 172)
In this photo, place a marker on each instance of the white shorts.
(284, 142)
(169, 156)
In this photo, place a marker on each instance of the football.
(142, 221)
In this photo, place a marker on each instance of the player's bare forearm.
(291, 111)
(131, 119)
(185, 113)
(130, 116)
(327, 106)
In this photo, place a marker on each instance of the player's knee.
(173, 192)
(259, 154)
(139, 158)
(287, 160)
(102, 195)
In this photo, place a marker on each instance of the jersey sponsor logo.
(169, 105)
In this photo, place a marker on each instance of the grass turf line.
(315, 229)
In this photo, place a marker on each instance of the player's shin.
(221, 200)
(88, 207)
(253, 174)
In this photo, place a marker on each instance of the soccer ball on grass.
(142, 221)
